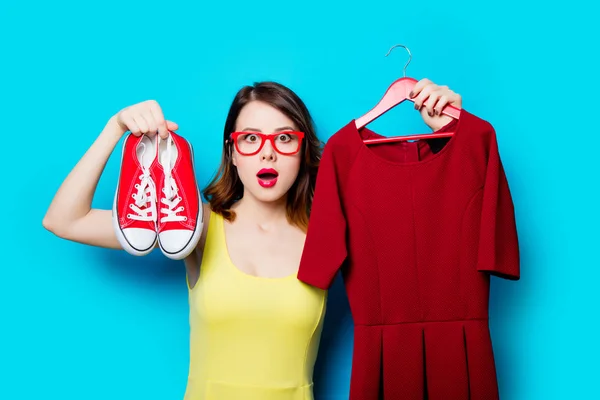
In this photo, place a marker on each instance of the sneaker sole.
(117, 227)
(193, 242)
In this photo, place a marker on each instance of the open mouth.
(267, 177)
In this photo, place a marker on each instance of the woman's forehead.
(262, 117)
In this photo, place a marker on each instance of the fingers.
(129, 124)
(146, 118)
(423, 95)
(441, 103)
(142, 123)
(172, 126)
(447, 97)
(159, 119)
(454, 99)
(419, 86)
(433, 97)
(437, 101)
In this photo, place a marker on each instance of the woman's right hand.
(145, 118)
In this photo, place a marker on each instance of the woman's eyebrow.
(285, 128)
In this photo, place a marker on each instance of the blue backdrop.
(80, 322)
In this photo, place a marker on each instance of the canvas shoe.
(134, 207)
(180, 215)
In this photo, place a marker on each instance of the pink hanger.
(398, 92)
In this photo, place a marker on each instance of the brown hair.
(226, 188)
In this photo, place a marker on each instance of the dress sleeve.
(498, 252)
(325, 244)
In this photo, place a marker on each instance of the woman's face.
(268, 174)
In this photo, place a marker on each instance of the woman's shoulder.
(206, 211)
(207, 215)
(193, 261)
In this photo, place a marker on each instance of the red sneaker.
(180, 216)
(134, 207)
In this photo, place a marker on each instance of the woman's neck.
(263, 214)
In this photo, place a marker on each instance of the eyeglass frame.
(233, 137)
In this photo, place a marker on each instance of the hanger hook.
(409, 56)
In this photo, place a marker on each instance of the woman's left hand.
(430, 99)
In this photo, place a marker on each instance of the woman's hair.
(226, 188)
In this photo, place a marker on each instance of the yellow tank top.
(251, 338)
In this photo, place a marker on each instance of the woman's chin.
(269, 194)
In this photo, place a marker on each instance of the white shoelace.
(170, 197)
(144, 205)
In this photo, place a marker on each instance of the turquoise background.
(86, 323)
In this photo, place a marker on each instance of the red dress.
(417, 229)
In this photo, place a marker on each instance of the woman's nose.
(268, 152)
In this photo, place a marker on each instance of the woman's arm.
(70, 215)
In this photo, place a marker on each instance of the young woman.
(255, 328)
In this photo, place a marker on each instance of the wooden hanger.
(398, 92)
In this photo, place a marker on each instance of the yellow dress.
(251, 338)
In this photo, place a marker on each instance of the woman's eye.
(284, 138)
(250, 138)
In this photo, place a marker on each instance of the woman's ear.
(229, 152)
(233, 157)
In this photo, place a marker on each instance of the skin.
(275, 246)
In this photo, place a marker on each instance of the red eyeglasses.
(250, 143)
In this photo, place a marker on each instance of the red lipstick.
(267, 177)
